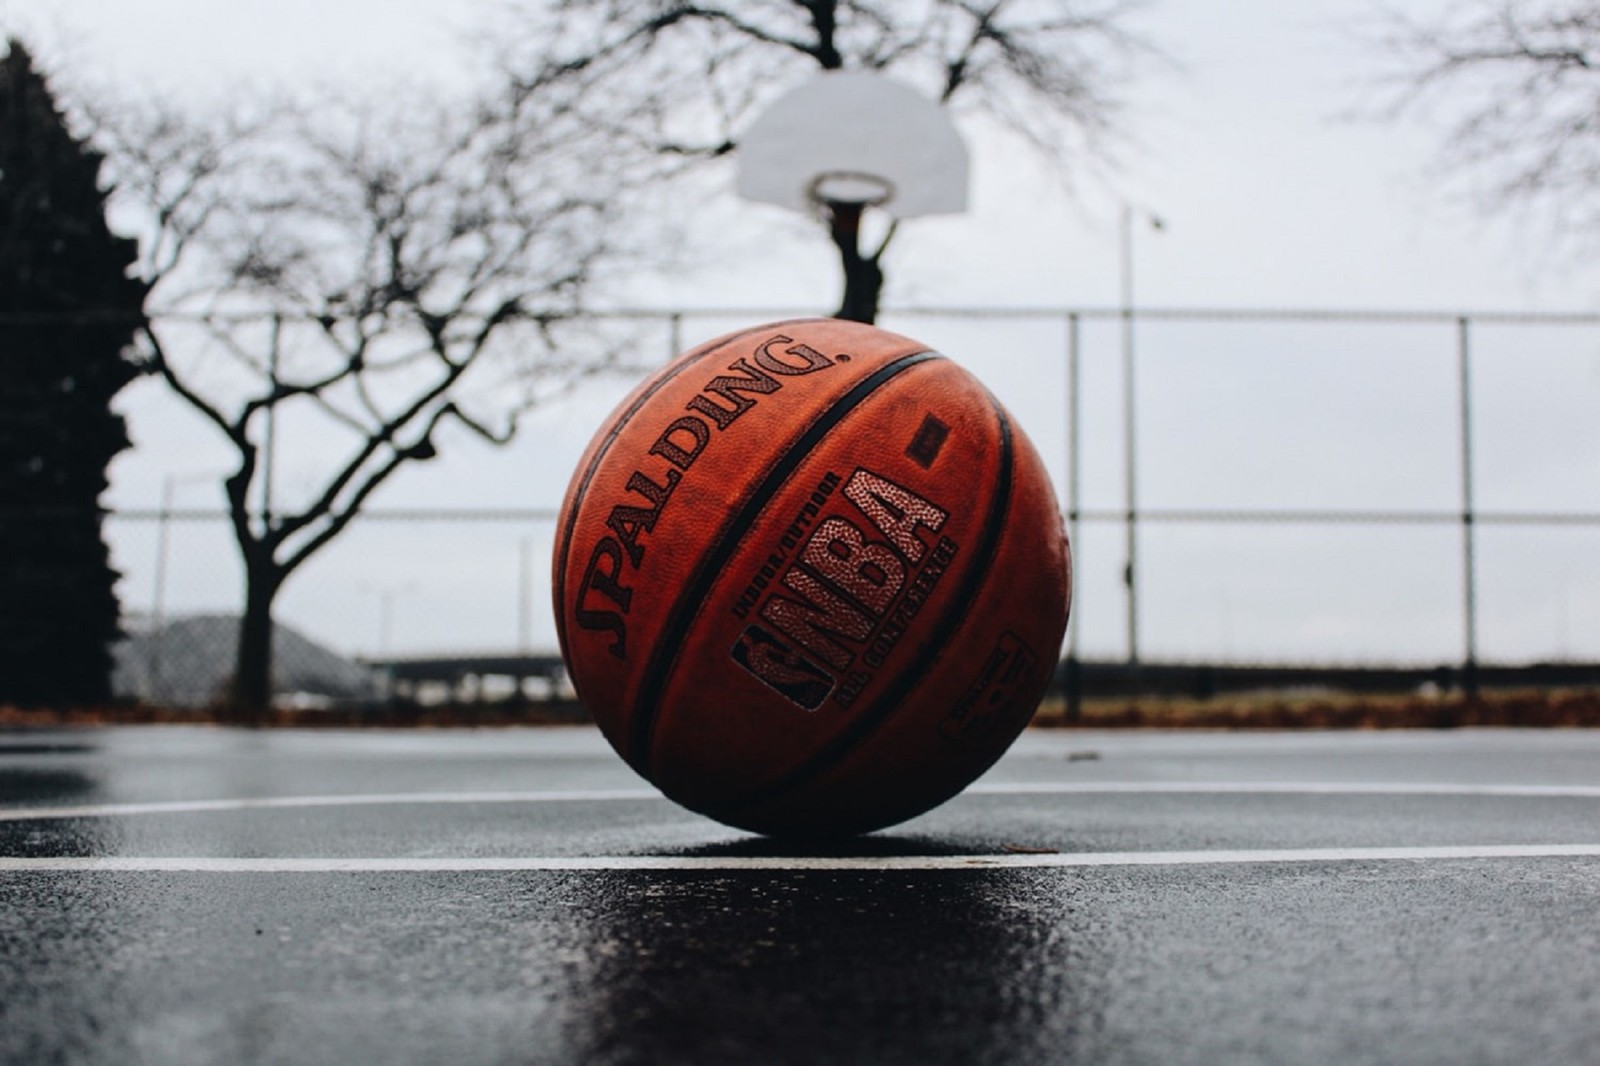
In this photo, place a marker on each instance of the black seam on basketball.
(564, 540)
(725, 543)
(978, 568)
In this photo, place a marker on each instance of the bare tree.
(684, 78)
(1515, 85)
(389, 268)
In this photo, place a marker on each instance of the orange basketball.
(810, 578)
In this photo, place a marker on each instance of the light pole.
(525, 596)
(378, 662)
(386, 597)
(1131, 212)
(155, 687)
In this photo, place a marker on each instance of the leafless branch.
(1514, 89)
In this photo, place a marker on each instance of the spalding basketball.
(810, 578)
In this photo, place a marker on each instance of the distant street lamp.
(525, 572)
(1131, 213)
(155, 689)
(386, 596)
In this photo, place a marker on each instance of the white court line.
(375, 799)
(385, 799)
(704, 863)
(1284, 788)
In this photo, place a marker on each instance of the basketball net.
(844, 195)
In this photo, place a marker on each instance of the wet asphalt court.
(202, 895)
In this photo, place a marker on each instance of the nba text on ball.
(851, 590)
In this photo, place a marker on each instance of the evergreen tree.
(68, 309)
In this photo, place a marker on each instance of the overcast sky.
(1275, 197)
(1272, 197)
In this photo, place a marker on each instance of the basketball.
(811, 579)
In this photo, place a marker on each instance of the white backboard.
(858, 125)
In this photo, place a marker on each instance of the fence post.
(1469, 674)
(1130, 482)
(1074, 678)
(155, 688)
(270, 442)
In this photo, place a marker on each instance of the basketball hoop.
(850, 188)
(848, 140)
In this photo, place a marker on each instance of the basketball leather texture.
(811, 578)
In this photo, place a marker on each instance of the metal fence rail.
(1494, 415)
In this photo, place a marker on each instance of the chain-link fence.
(1326, 489)
(397, 584)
